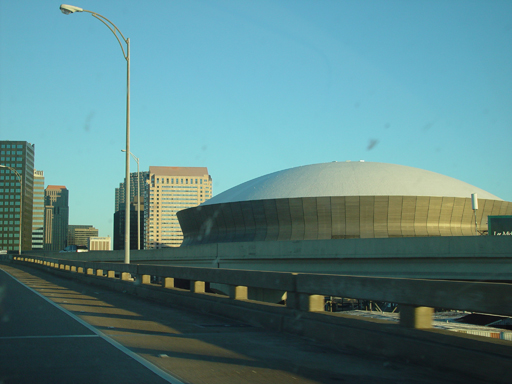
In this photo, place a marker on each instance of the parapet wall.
(473, 257)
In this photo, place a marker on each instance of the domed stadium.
(341, 200)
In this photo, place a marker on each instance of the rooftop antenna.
(474, 206)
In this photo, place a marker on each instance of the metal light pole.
(138, 198)
(21, 202)
(68, 9)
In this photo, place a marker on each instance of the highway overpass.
(413, 338)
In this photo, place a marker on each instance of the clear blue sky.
(247, 88)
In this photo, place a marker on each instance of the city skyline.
(247, 89)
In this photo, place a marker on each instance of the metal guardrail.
(305, 292)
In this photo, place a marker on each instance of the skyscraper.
(56, 217)
(169, 190)
(38, 211)
(136, 203)
(17, 160)
(121, 192)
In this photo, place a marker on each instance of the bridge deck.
(56, 330)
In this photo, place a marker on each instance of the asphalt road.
(54, 330)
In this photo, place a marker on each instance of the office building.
(16, 194)
(119, 228)
(56, 217)
(99, 243)
(342, 200)
(170, 190)
(38, 211)
(136, 203)
(79, 234)
(121, 191)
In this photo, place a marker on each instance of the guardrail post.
(146, 279)
(238, 292)
(197, 286)
(168, 282)
(89, 271)
(72, 268)
(126, 276)
(111, 274)
(99, 272)
(416, 317)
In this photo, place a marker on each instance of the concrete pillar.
(168, 282)
(146, 279)
(416, 317)
(89, 271)
(305, 302)
(111, 274)
(197, 286)
(126, 276)
(99, 272)
(72, 268)
(238, 292)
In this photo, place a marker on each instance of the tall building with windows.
(56, 217)
(79, 234)
(136, 203)
(38, 211)
(16, 194)
(168, 191)
(121, 191)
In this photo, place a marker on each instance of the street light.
(68, 9)
(138, 198)
(21, 201)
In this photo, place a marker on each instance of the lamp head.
(68, 9)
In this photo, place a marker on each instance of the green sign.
(500, 225)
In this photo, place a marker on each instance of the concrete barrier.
(485, 258)
(411, 339)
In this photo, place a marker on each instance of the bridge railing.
(416, 298)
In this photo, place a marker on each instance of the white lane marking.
(45, 337)
(153, 368)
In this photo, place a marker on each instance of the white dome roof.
(349, 179)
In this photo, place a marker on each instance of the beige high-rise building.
(99, 243)
(170, 190)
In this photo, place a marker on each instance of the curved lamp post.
(68, 9)
(21, 201)
(138, 198)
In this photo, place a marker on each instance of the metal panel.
(297, 217)
(420, 216)
(366, 212)
(323, 206)
(483, 212)
(272, 220)
(456, 221)
(395, 216)
(408, 212)
(338, 217)
(380, 216)
(260, 222)
(467, 223)
(445, 217)
(285, 220)
(250, 226)
(228, 219)
(310, 218)
(238, 218)
(434, 213)
(352, 206)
